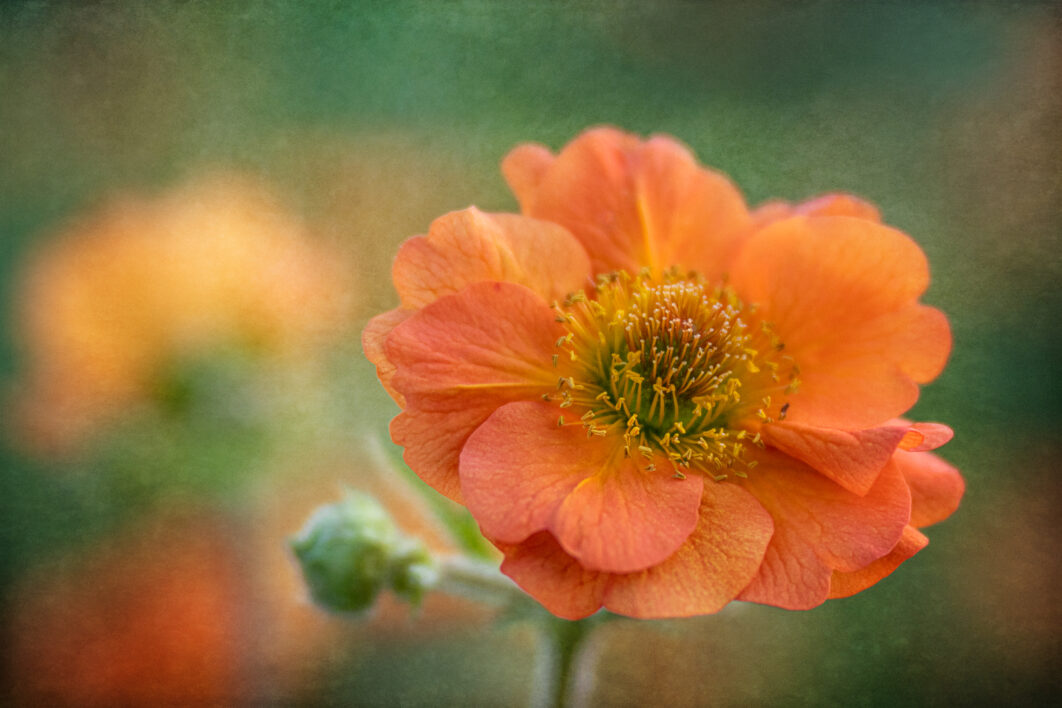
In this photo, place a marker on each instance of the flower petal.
(838, 204)
(522, 473)
(835, 204)
(633, 203)
(372, 341)
(851, 459)
(936, 487)
(714, 564)
(921, 437)
(541, 567)
(841, 293)
(470, 246)
(459, 359)
(490, 339)
(847, 584)
(626, 518)
(524, 167)
(519, 465)
(707, 571)
(433, 441)
(820, 527)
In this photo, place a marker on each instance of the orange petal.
(925, 436)
(916, 338)
(846, 584)
(372, 341)
(841, 293)
(771, 211)
(691, 217)
(936, 487)
(522, 473)
(524, 167)
(433, 441)
(717, 561)
(836, 204)
(707, 571)
(518, 467)
(626, 518)
(541, 567)
(469, 246)
(633, 203)
(819, 527)
(490, 339)
(853, 394)
(839, 205)
(459, 359)
(852, 459)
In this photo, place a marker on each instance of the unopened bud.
(351, 550)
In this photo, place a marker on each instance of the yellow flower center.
(673, 365)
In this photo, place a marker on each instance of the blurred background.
(174, 406)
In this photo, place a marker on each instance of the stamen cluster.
(674, 366)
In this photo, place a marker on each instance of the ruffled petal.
(701, 577)
(460, 358)
(836, 204)
(819, 527)
(842, 295)
(470, 246)
(433, 441)
(626, 518)
(372, 341)
(541, 567)
(519, 465)
(852, 459)
(523, 168)
(522, 473)
(936, 487)
(717, 561)
(921, 437)
(633, 204)
(847, 584)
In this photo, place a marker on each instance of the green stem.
(558, 652)
(467, 577)
(560, 641)
(457, 521)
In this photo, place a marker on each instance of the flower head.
(654, 400)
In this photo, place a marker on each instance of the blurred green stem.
(560, 640)
(474, 576)
(559, 649)
(477, 580)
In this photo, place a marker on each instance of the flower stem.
(560, 640)
(477, 580)
(558, 651)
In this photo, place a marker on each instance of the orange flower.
(142, 620)
(123, 293)
(654, 401)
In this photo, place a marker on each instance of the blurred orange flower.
(124, 292)
(655, 401)
(189, 607)
(144, 620)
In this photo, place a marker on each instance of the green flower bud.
(351, 550)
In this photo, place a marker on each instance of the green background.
(372, 118)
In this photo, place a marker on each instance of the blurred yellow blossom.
(124, 292)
